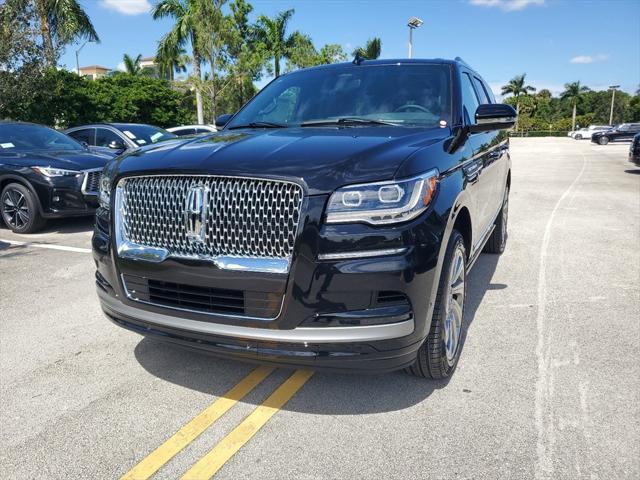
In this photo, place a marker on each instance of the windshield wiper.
(347, 121)
(259, 125)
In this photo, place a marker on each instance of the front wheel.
(438, 355)
(603, 140)
(578, 137)
(19, 209)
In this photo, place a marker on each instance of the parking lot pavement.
(548, 383)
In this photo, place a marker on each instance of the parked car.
(116, 138)
(624, 131)
(44, 174)
(634, 150)
(585, 133)
(331, 223)
(189, 130)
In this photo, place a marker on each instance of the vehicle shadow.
(328, 393)
(633, 172)
(61, 226)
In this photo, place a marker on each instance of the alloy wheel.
(455, 306)
(15, 209)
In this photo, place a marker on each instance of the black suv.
(332, 222)
(624, 131)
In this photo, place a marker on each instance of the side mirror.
(222, 120)
(85, 145)
(116, 145)
(493, 116)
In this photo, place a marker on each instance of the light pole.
(613, 97)
(77, 52)
(414, 22)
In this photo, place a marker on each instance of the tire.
(603, 140)
(498, 239)
(435, 359)
(19, 209)
(578, 137)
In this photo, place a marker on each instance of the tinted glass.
(185, 131)
(403, 94)
(85, 135)
(482, 94)
(469, 98)
(104, 137)
(24, 137)
(145, 134)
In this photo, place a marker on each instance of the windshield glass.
(145, 134)
(25, 137)
(417, 94)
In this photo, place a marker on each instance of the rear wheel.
(498, 239)
(578, 137)
(603, 140)
(19, 209)
(438, 355)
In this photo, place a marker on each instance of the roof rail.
(459, 59)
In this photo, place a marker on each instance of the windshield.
(145, 134)
(25, 137)
(417, 94)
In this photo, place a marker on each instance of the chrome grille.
(91, 183)
(254, 218)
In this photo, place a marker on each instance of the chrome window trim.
(300, 335)
(83, 189)
(134, 251)
(199, 312)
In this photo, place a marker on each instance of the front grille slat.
(253, 218)
(92, 181)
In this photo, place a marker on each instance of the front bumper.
(330, 316)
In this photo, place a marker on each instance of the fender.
(22, 181)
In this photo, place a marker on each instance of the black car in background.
(331, 223)
(634, 150)
(45, 174)
(624, 131)
(115, 138)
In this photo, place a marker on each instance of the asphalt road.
(548, 384)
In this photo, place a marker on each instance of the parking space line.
(213, 461)
(46, 246)
(189, 432)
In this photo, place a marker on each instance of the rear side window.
(87, 135)
(469, 98)
(482, 93)
(185, 131)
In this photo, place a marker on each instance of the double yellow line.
(213, 461)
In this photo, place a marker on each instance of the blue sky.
(552, 41)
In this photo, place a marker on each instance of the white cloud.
(128, 7)
(121, 67)
(507, 5)
(601, 57)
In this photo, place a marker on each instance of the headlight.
(104, 195)
(55, 172)
(383, 202)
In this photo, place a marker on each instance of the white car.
(186, 130)
(585, 133)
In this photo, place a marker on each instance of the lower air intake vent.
(387, 297)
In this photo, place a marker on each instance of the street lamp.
(414, 22)
(78, 51)
(613, 96)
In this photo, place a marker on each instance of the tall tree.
(517, 87)
(171, 59)
(214, 32)
(131, 64)
(371, 50)
(573, 92)
(272, 33)
(62, 22)
(186, 29)
(331, 53)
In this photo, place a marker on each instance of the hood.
(70, 160)
(322, 158)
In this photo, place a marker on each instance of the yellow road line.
(213, 461)
(189, 432)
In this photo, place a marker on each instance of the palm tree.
(272, 33)
(516, 87)
(187, 29)
(132, 65)
(371, 50)
(573, 91)
(171, 60)
(62, 22)
(214, 33)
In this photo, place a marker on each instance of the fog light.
(56, 199)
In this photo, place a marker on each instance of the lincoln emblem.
(195, 213)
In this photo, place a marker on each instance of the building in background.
(94, 72)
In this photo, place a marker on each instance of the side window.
(85, 135)
(185, 131)
(469, 98)
(104, 137)
(482, 93)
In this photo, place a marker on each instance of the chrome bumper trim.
(369, 333)
(362, 254)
